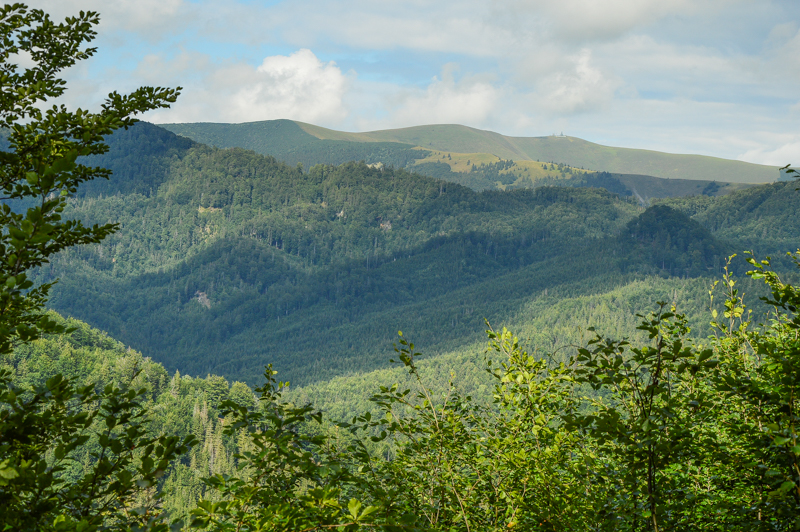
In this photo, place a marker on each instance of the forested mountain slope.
(226, 260)
(283, 138)
(178, 405)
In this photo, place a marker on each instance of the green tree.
(762, 375)
(645, 415)
(286, 478)
(457, 463)
(40, 169)
(44, 430)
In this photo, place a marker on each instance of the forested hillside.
(178, 404)
(226, 260)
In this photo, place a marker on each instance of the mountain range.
(226, 259)
(285, 138)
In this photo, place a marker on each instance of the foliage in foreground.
(658, 444)
(676, 436)
(662, 435)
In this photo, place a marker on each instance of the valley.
(226, 260)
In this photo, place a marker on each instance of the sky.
(712, 77)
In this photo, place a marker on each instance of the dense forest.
(178, 404)
(618, 436)
(225, 260)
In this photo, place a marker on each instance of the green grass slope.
(288, 142)
(580, 152)
(262, 137)
(443, 137)
(295, 142)
(567, 150)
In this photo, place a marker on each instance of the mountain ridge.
(226, 260)
(572, 151)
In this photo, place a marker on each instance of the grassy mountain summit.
(272, 138)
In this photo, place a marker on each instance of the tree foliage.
(39, 170)
(44, 427)
(650, 433)
(46, 432)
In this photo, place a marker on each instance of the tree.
(460, 464)
(41, 167)
(646, 415)
(45, 430)
(763, 378)
(286, 479)
(77, 458)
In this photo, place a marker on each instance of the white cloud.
(590, 19)
(461, 28)
(150, 18)
(782, 65)
(706, 76)
(298, 86)
(582, 88)
(445, 101)
(787, 153)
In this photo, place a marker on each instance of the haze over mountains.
(227, 259)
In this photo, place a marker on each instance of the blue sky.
(715, 77)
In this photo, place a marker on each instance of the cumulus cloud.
(299, 86)
(446, 101)
(709, 76)
(579, 89)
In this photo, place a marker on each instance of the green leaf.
(7, 472)
(369, 510)
(354, 507)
